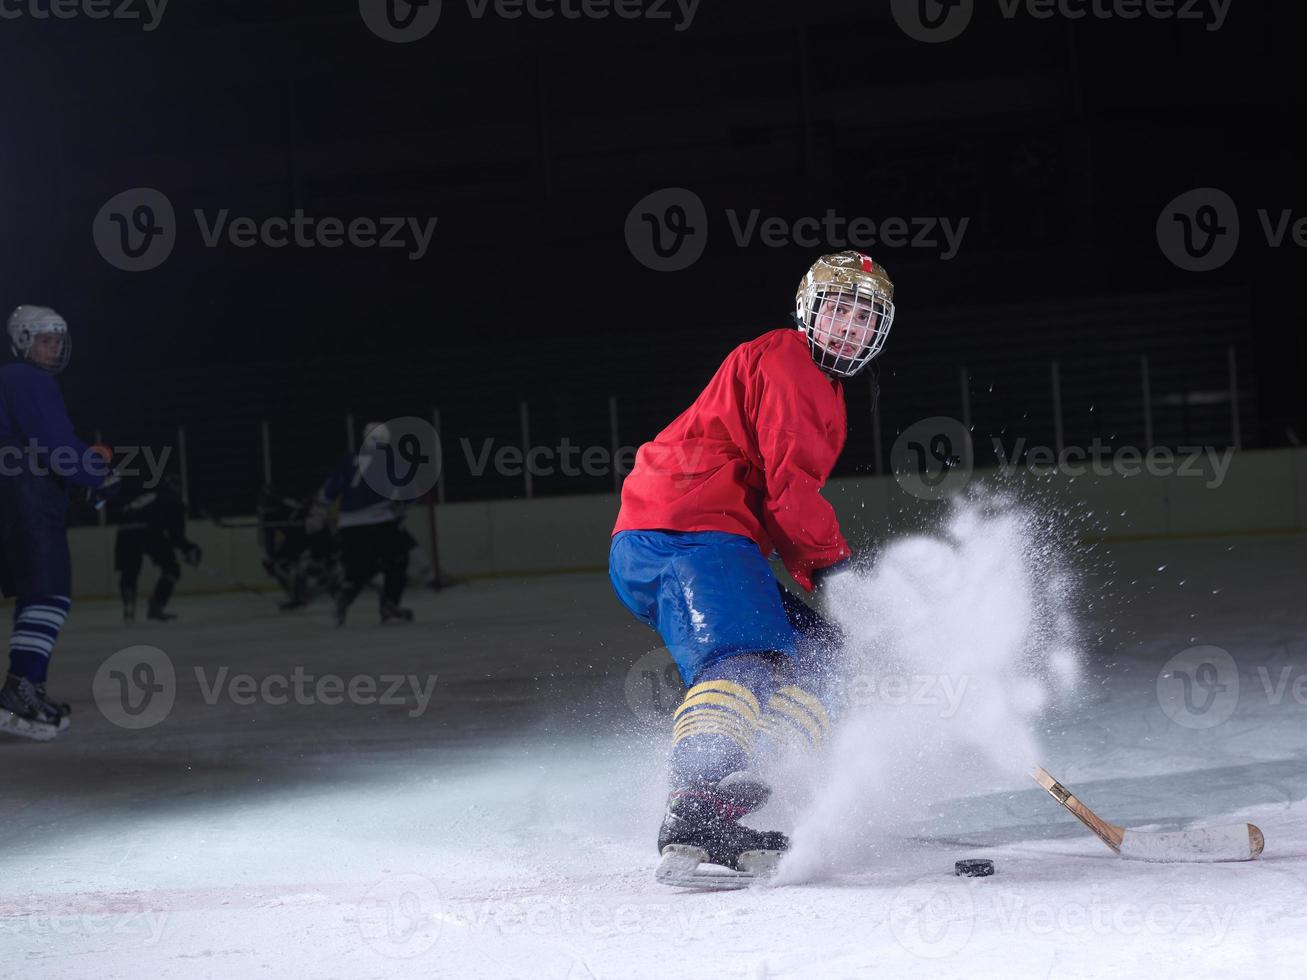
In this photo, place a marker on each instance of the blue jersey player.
(40, 459)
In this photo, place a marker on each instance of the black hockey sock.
(162, 592)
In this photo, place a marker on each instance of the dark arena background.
(524, 235)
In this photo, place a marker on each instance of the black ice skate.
(60, 709)
(702, 826)
(392, 613)
(156, 611)
(25, 711)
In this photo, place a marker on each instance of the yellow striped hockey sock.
(795, 719)
(713, 731)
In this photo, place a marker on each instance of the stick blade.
(1233, 842)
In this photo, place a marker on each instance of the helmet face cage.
(23, 337)
(846, 325)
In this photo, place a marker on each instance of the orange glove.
(103, 451)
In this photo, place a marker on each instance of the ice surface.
(508, 829)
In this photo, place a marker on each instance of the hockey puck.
(973, 868)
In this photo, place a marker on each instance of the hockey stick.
(1234, 842)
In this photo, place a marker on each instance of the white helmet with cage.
(845, 305)
(40, 335)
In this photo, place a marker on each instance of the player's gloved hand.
(192, 553)
(316, 519)
(832, 582)
(111, 487)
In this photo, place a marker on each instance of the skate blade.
(680, 868)
(14, 725)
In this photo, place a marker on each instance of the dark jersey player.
(155, 527)
(736, 478)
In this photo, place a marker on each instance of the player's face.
(845, 325)
(46, 349)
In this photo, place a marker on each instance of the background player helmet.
(847, 332)
(27, 322)
(376, 434)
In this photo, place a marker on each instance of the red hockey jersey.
(750, 457)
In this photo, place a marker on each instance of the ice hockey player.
(40, 457)
(372, 537)
(735, 478)
(302, 563)
(155, 526)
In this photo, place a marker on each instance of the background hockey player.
(155, 526)
(303, 563)
(737, 476)
(372, 538)
(41, 459)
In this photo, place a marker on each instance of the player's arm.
(38, 409)
(797, 459)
